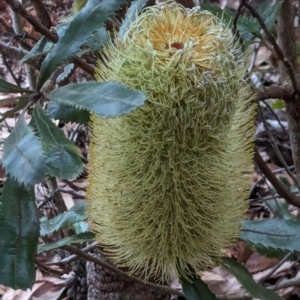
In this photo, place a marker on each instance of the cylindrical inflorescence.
(167, 187)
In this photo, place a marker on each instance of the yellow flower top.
(165, 187)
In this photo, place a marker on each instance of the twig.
(272, 40)
(17, 7)
(71, 192)
(11, 51)
(284, 92)
(81, 63)
(57, 197)
(74, 186)
(278, 153)
(276, 117)
(48, 269)
(73, 256)
(280, 188)
(237, 14)
(18, 29)
(8, 67)
(163, 289)
(282, 285)
(275, 268)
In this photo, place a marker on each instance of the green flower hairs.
(167, 187)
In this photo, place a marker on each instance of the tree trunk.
(106, 285)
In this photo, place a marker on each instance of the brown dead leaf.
(220, 282)
(244, 252)
(257, 263)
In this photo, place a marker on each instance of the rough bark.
(106, 285)
(287, 42)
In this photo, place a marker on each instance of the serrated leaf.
(273, 233)
(89, 18)
(67, 70)
(134, 9)
(97, 40)
(67, 113)
(6, 87)
(61, 155)
(107, 99)
(245, 278)
(196, 290)
(19, 233)
(42, 47)
(270, 252)
(76, 214)
(23, 155)
(78, 238)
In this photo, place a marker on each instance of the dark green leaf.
(23, 155)
(107, 99)
(61, 155)
(67, 219)
(67, 113)
(274, 233)
(91, 17)
(42, 47)
(196, 290)
(19, 233)
(134, 9)
(78, 238)
(6, 87)
(245, 278)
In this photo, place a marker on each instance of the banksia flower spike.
(166, 186)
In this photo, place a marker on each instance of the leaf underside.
(108, 99)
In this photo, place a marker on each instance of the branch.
(163, 289)
(42, 13)
(284, 92)
(17, 7)
(287, 63)
(280, 188)
(12, 52)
